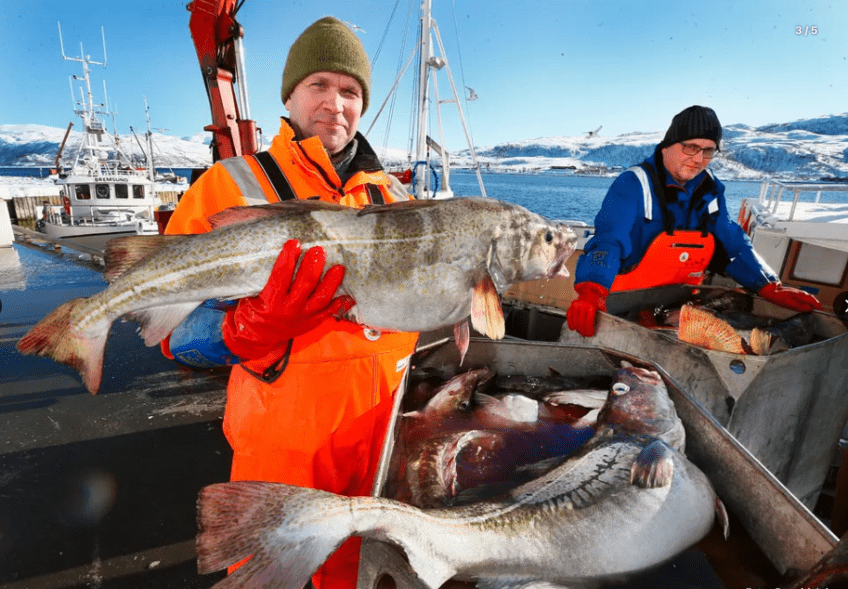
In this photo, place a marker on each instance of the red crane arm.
(217, 38)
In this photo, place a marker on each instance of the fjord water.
(578, 198)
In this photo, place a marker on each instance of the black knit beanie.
(695, 122)
(327, 45)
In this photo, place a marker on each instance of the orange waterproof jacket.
(679, 258)
(322, 422)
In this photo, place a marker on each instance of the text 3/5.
(807, 30)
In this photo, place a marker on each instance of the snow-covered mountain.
(37, 145)
(809, 149)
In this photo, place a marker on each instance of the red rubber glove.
(582, 311)
(791, 298)
(288, 305)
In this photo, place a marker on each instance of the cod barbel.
(410, 266)
(627, 501)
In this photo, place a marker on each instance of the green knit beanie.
(327, 45)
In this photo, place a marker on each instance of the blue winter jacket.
(624, 229)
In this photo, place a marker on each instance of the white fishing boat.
(805, 242)
(103, 191)
(428, 165)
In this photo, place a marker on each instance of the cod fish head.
(455, 395)
(638, 404)
(529, 248)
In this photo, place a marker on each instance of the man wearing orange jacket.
(310, 396)
(665, 222)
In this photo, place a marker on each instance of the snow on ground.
(17, 186)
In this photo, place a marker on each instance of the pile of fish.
(624, 501)
(726, 323)
(481, 430)
(410, 266)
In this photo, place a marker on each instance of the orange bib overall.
(680, 258)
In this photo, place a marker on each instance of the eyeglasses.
(692, 149)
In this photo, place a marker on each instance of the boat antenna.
(152, 172)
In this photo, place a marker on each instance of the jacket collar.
(364, 160)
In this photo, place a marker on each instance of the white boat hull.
(66, 231)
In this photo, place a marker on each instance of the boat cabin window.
(138, 191)
(82, 191)
(121, 191)
(102, 190)
(819, 264)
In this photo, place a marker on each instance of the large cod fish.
(411, 266)
(626, 501)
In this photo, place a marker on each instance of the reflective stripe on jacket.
(322, 422)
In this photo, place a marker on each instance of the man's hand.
(288, 306)
(582, 311)
(791, 298)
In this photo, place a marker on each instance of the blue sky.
(540, 68)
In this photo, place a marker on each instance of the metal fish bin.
(788, 409)
(773, 536)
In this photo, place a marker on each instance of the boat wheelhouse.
(103, 203)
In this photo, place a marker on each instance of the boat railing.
(772, 193)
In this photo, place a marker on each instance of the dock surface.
(98, 490)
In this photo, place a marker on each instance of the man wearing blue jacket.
(666, 222)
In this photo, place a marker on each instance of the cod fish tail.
(53, 337)
(288, 532)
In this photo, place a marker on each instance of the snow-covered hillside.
(809, 149)
(37, 145)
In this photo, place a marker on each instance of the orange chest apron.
(679, 258)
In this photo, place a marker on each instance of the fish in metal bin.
(628, 500)
(475, 431)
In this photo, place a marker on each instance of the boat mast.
(420, 155)
(422, 141)
(93, 128)
(150, 170)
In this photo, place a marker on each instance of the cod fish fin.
(433, 572)
(653, 466)
(764, 342)
(403, 205)
(462, 337)
(53, 337)
(157, 322)
(122, 253)
(486, 312)
(702, 328)
(267, 521)
(760, 341)
(288, 208)
(722, 517)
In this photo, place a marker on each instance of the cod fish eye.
(549, 236)
(620, 388)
